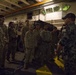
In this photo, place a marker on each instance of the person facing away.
(68, 41)
(37, 42)
(45, 46)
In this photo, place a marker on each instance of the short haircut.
(1, 16)
(10, 24)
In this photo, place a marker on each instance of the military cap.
(69, 15)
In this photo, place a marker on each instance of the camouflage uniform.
(24, 30)
(12, 43)
(61, 34)
(30, 45)
(54, 43)
(5, 30)
(68, 41)
(45, 45)
(2, 43)
(37, 42)
(5, 41)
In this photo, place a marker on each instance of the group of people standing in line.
(40, 43)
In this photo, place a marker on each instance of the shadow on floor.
(54, 68)
(10, 71)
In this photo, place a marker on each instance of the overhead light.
(39, 0)
(44, 0)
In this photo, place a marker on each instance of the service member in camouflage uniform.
(4, 37)
(30, 45)
(1, 47)
(68, 41)
(37, 34)
(45, 46)
(12, 41)
(61, 34)
(24, 30)
(54, 42)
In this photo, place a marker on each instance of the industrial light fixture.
(39, 0)
(43, 0)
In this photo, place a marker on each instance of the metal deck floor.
(50, 68)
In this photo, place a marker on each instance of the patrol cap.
(69, 15)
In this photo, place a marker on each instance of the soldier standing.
(30, 45)
(4, 40)
(37, 34)
(12, 41)
(45, 46)
(54, 42)
(24, 30)
(1, 47)
(68, 41)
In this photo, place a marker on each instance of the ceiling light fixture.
(39, 0)
(43, 0)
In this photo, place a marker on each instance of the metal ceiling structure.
(8, 7)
